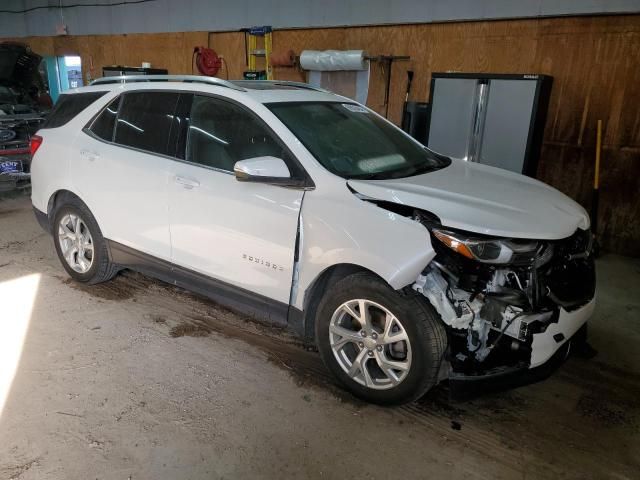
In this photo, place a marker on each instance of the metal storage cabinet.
(496, 120)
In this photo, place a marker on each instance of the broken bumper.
(545, 344)
(549, 351)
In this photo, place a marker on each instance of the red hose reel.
(207, 61)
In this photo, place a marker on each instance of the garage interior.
(138, 379)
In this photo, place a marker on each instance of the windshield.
(352, 142)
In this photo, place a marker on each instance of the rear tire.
(80, 245)
(400, 340)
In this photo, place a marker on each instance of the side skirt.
(259, 307)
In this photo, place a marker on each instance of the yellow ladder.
(253, 52)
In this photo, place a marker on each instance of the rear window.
(68, 106)
(145, 119)
(103, 124)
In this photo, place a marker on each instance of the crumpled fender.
(343, 229)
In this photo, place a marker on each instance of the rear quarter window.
(68, 106)
(102, 126)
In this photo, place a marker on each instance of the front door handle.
(187, 183)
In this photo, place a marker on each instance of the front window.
(222, 133)
(350, 141)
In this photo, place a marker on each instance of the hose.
(517, 315)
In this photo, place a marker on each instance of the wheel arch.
(58, 198)
(313, 294)
(103, 267)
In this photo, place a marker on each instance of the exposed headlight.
(492, 250)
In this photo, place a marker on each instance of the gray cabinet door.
(507, 123)
(452, 113)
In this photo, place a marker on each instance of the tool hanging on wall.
(207, 61)
(406, 95)
(596, 181)
(252, 52)
(414, 114)
(386, 62)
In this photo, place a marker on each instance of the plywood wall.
(595, 62)
(169, 50)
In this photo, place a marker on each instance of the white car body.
(276, 243)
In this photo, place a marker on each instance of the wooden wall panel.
(165, 50)
(595, 62)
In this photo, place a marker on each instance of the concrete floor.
(136, 380)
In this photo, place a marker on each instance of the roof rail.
(167, 78)
(284, 83)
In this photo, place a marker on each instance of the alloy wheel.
(76, 243)
(370, 344)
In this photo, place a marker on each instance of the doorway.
(63, 73)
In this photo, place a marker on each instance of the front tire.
(80, 245)
(385, 347)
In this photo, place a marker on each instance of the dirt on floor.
(137, 379)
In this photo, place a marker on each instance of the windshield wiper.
(404, 172)
(371, 176)
(423, 169)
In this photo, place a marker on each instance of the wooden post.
(596, 181)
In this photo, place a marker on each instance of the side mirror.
(263, 170)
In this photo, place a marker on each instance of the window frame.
(179, 151)
(171, 147)
(87, 128)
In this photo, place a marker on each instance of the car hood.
(482, 199)
(18, 65)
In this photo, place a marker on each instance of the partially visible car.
(23, 107)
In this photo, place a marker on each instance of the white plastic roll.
(333, 60)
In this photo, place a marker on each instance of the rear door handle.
(187, 183)
(89, 154)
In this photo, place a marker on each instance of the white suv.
(310, 211)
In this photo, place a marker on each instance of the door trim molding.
(236, 298)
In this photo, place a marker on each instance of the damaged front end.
(508, 304)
